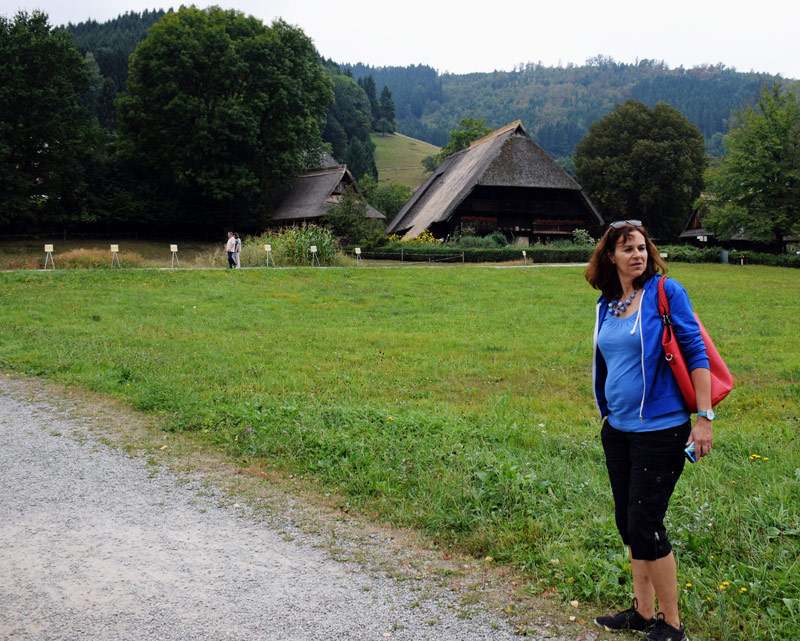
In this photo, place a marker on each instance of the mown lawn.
(456, 400)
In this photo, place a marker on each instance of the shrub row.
(536, 254)
(480, 254)
(773, 260)
(688, 254)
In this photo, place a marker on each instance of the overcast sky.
(466, 36)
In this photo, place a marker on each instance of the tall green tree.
(107, 47)
(755, 189)
(367, 83)
(643, 163)
(43, 128)
(386, 124)
(388, 198)
(348, 218)
(348, 127)
(220, 114)
(468, 131)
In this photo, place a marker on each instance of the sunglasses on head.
(621, 223)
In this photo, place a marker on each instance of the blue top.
(620, 346)
(658, 391)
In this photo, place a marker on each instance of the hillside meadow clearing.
(399, 159)
(455, 400)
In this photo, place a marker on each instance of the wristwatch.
(709, 414)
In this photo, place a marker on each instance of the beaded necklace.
(616, 307)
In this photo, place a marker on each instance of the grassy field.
(455, 400)
(398, 159)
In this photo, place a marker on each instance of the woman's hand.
(703, 436)
(702, 433)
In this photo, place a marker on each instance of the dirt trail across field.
(99, 544)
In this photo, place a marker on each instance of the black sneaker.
(629, 619)
(663, 631)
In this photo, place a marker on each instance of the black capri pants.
(643, 468)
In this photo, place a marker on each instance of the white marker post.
(314, 257)
(358, 256)
(174, 250)
(270, 259)
(525, 256)
(48, 256)
(115, 255)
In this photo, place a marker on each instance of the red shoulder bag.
(721, 378)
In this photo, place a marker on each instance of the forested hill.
(107, 46)
(557, 104)
(111, 43)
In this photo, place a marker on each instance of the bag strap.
(663, 303)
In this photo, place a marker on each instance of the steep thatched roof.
(314, 192)
(507, 157)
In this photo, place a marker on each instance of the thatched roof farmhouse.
(314, 192)
(502, 182)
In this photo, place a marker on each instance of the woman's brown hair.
(602, 273)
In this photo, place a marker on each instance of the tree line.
(198, 118)
(556, 104)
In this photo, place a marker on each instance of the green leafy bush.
(481, 242)
(348, 218)
(583, 237)
(494, 240)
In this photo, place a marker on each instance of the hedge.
(536, 254)
(479, 254)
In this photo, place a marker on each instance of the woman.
(646, 425)
(237, 250)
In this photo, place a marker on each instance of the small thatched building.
(696, 233)
(314, 192)
(502, 182)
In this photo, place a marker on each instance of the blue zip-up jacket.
(660, 394)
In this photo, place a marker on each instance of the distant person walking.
(230, 247)
(237, 251)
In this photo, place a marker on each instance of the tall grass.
(91, 253)
(292, 246)
(455, 400)
(97, 259)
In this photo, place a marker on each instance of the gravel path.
(96, 544)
